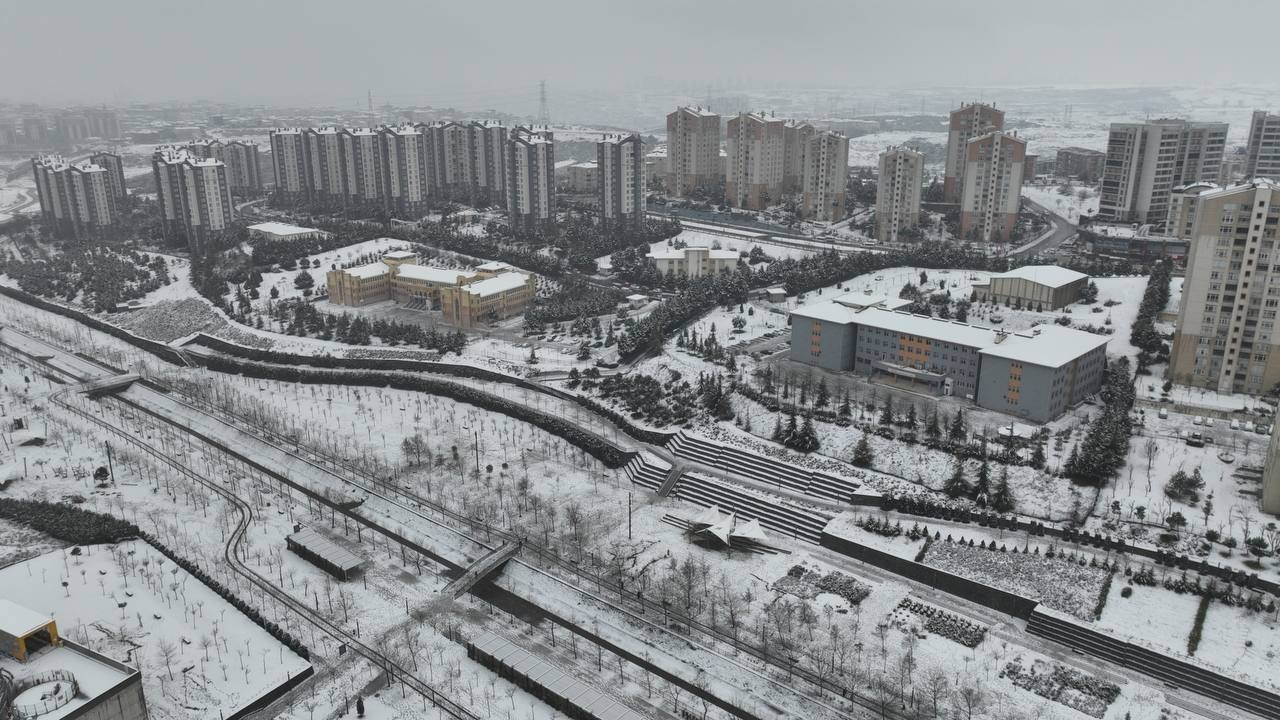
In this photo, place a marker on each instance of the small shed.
(776, 294)
(24, 631)
(637, 301)
(324, 553)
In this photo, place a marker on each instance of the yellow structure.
(23, 631)
(493, 291)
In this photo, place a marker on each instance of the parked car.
(1197, 420)
(1164, 413)
(1248, 426)
(1235, 424)
(1208, 422)
(1196, 440)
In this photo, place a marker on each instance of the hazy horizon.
(324, 53)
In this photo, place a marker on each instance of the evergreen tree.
(912, 420)
(957, 432)
(777, 429)
(982, 488)
(957, 486)
(303, 280)
(807, 439)
(823, 397)
(789, 435)
(845, 411)
(1002, 499)
(931, 429)
(1037, 456)
(886, 412)
(862, 453)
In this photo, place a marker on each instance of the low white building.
(283, 231)
(693, 261)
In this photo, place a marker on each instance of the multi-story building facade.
(898, 192)
(693, 261)
(451, 158)
(1146, 161)
(496, 298)
(992, 187)
(1036, 375)
(194, 196)
(1262, 157)
(70, 127)
(487, 142)
(796, 135)
(693, 151)
(404, 170)
(1038, 287)
(289, 160)
(76, 198)
(756, 151)
(241, 158)
(362, 174)
(1226, 337)
(114, 166)
(35, 130)
(324, 161)
(826, 176)
(1078, 162)
(103, 123)
(531, 181)
(966, 123)
(620, 180)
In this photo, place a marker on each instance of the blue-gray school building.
(1036, 375)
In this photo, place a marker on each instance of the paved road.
(1063, 230)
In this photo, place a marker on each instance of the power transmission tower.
(544, 113)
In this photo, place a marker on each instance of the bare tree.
(165, 653)
(970, 698)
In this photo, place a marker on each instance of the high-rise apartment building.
(1146, 161)
(898, 192)
(989, 195)
(966, 123)
(451, 157)
(620, 179)
(756, 150)
(693, 151)
(114, 166)
(194, 196)
(103, 123)
(76, 198)
(70, 127)
(362, 174)
(324, 160)
(404, 170)
(825, 178)
(796, 135)
(1226, 337)
(241, 158)
(35, 131)
(488, 148)
(531, 183)
(289, 159)
(1262, 158)
(1080, 163)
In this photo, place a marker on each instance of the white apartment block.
(756, 151)
(1226, 338)
(693, 151)
(1262, 158)
(531, 185)
(620, 179)
(1146, 161)
(989, 195)
(404, 170)
(242, 161)
(114, 166)
(451, 159)
(966, 123)
(898, 192)
(324, 160)
(194, 195)
(693, 261)
(826, 176)
(78, 199)
(488, 147)
(289, 160)
(362, 174)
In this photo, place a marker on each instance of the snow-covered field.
(864, 150)
(128, 601)
(1070, 206)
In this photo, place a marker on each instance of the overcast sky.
(491, 55)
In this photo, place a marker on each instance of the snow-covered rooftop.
(433, 274)
(17, 621)
(373, 269)
(279, 228)
(682, 253)
(1047, 345)
(700, 112)
(399, 254)
(495, 285)
(1050, 275)
(493, 266)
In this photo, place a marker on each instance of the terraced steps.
(773, 513)
(762, 468)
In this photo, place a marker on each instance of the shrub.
(1193, 640)
(1126, 591)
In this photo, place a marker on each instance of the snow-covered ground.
(742, 243)
(282, 281)
(1070, 206)
(864, 150)
(128, 600)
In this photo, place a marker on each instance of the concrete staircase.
(774, 513)
(762, 468)
(648, 472)
(1172, 671)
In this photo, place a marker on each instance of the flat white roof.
(400, 254)
(1052, 346)
(373, 269)
(637, 296)
(1050, 275)
(279, 228)
(434, 274)
(682, 253)
(17, 621)
(496, 285)
(493, 266)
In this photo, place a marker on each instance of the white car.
(1197, 420)
(1235, 424)
(1208, 422)
(1248, 425)
(1164, 413)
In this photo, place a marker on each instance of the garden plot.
(1059, 582)
(128, 601)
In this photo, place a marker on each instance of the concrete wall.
(835, 343)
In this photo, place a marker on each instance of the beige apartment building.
(1226, 334)
(826, 177)
(796, 135)
(989, 198)
(77, 198)
(898, 192)
(693, 261)
(693, 151)
(966, 123)
(756, 151)
(1147, 161)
